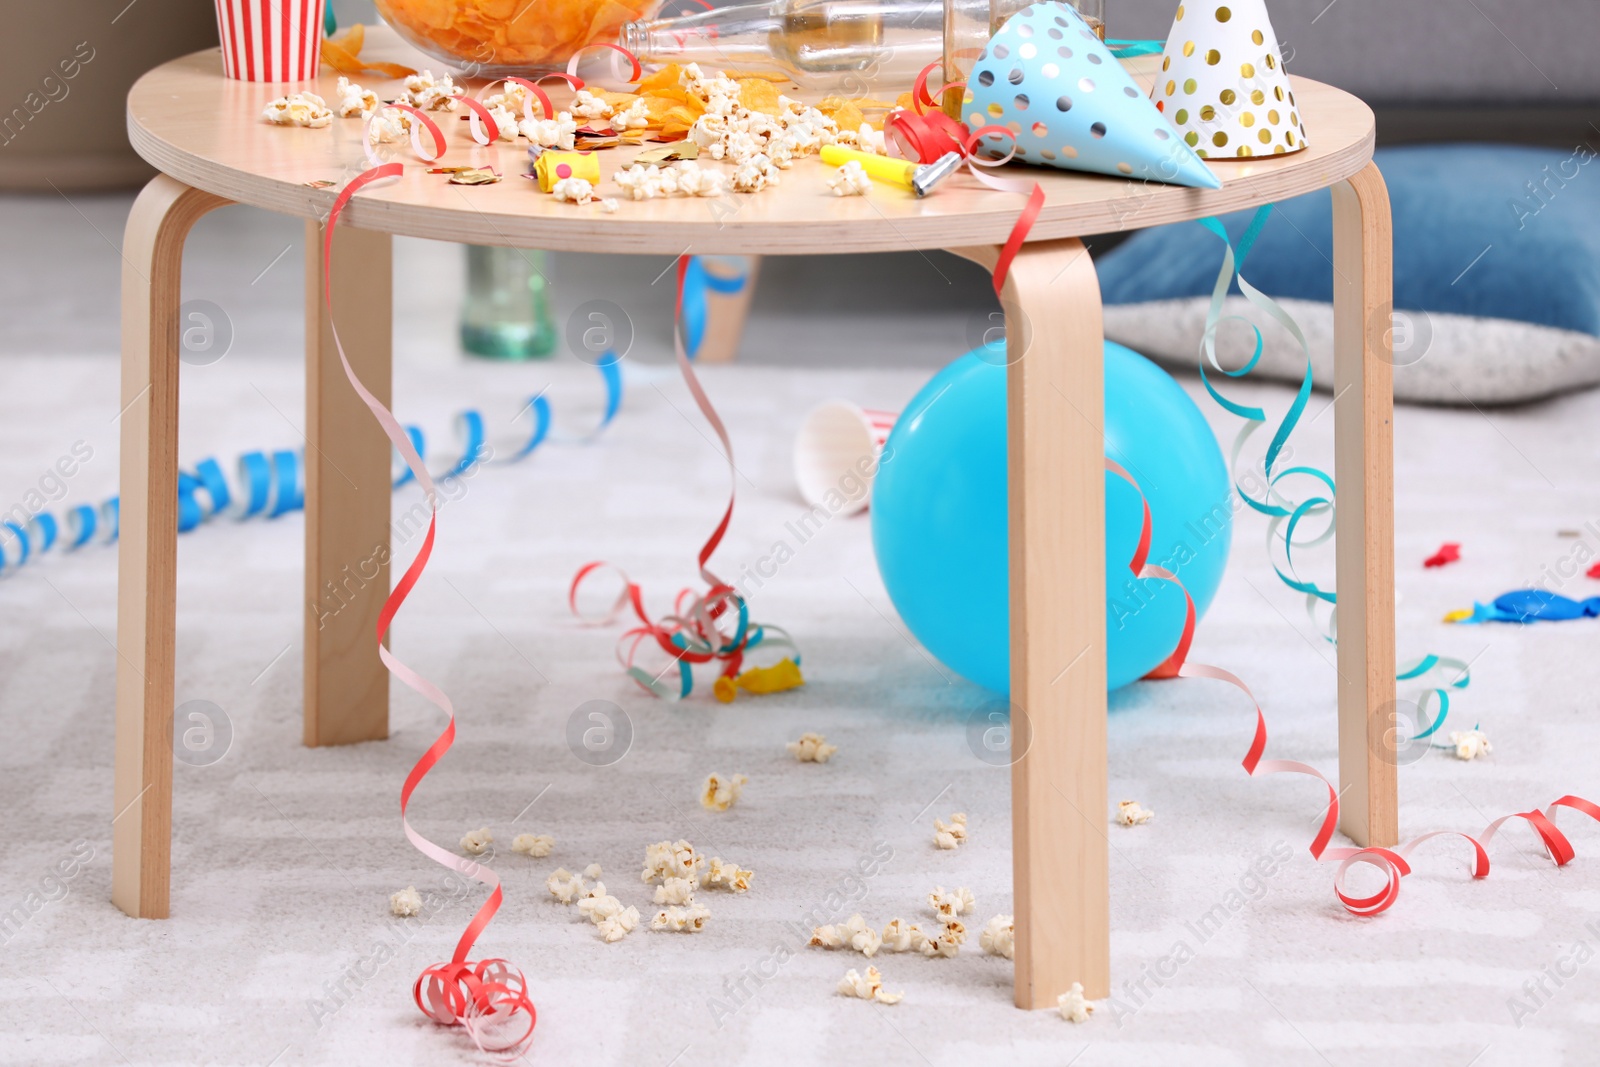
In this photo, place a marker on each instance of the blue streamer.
(272, 485)
(45, 524)
(81, 521)
(1281, 512)
(697, 281)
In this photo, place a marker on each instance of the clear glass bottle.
(851, 46)
(968, 25)
(506, 311)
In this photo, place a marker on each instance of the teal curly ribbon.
(1284, 513)
(1130, 49)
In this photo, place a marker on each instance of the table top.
(192, 123)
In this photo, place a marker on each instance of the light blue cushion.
(1452, 204)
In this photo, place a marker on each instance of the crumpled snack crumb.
(998, 937)
(952, 834)
(537, 846)
(675, 891)
(1470, 744)
(1132, 813)
(729, 876)
(812, 748)
(719, 793)
(566, 886)
(299, 109)
(899, 935)
(853, 933)
(687, 920)
(1074, 1008)
(850, 180)
(671, 859)
(944, 945)
(867, 986)
(949, 905)
(478, 841)
(354, 101)
(608, 913)
(573, 190)
(427, 93)
(406, 903)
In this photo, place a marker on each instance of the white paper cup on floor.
(836, 454)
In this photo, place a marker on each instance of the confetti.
(1449, 552)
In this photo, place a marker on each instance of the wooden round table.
(206, 136)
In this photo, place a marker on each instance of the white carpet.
(284, 856)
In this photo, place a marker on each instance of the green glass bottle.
(506, 313)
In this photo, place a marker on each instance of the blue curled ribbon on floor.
(1286, 514)
(269, 484)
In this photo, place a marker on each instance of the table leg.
(1364, 471)
(348, 493)
(726, 312)
(147, 551)
(1061, 880)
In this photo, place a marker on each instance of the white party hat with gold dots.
(1222, 82)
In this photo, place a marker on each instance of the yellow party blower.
(920, 178)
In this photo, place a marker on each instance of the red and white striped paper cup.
(270, 40)
(836, 454)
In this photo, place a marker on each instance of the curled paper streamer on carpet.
(1392, 863)
(713, 627)
(1284, 513)
(267, 485)
(488, 999)
(923, 136)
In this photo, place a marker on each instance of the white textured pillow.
(1439, 359)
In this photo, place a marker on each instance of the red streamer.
(1393, 863)
(925, 136)
(699, 631)
(489, 999)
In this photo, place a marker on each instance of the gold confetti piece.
(668, 153)
(469, 176)
(450, 170)
(589, 142)
(321, 183)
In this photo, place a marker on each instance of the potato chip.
(656, 107)
(504, 33)
(765, 75)
(848, 117)
(618, 101)
(679, 115)
(342, 52)
(665, 78)
(758, 94)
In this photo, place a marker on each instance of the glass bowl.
(500, 38)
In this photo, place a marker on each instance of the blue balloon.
(939, 517)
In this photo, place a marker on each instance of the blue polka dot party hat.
(1223, 85)
(1048, 77)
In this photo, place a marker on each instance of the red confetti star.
(1448, 552)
